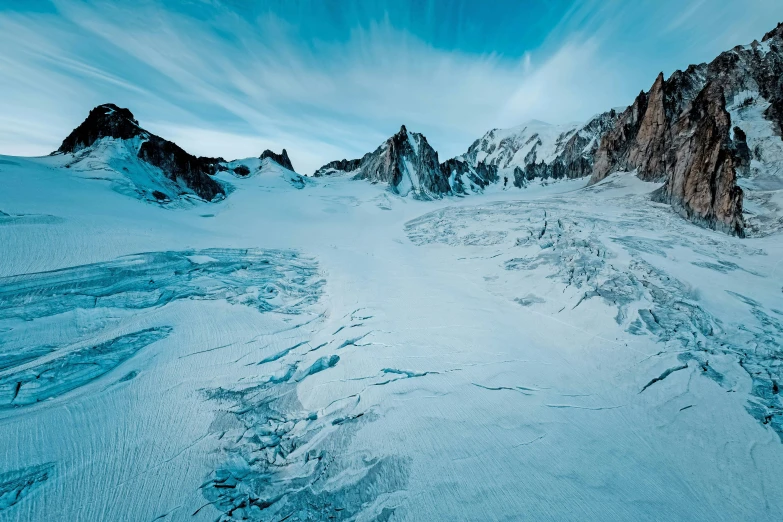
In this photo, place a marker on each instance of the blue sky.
(332, 79)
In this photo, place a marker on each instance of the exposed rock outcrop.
(463, 176)
(406, 162)
(338, 167)
(613, 152)
(676, 132)
(691, 151)
(281, 159)
(104, 121)
(701, 166)
(110, 121)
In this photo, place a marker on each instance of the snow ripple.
(63, 329)
(574, 247)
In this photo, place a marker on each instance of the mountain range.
(710, 134)
(560, 323)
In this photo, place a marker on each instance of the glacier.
(324, 349)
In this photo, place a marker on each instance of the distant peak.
(281, 159)
(777, 31)
(108, 109)
(403, 130)
(104, 121)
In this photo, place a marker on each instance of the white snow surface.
(508, 148)
(763, 202)
(341, 353)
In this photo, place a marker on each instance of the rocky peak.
(104, 121)
(702, 165)
(690, 150)
(647, 152)
(342, 166)
(777, 32)
(408, 163)
(281, 159)
(612, 153)
(405, 161)
(111, 121)
(664, 137)
(461, 175)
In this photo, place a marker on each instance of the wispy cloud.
(220, 81)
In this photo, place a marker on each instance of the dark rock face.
(460, 171)
(612, 154)
(104, 121)
(281, 159)
(676, 132)
(110, 121)
(577, 154)
(338, 167)
(648, 151)
(691, 150)
(642, 135)
(406, 162)
(743, 155)
(177, 164)
(242, 170)
(701, 165)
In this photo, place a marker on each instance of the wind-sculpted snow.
(592, 256)
(59, 375)
(285, 462)
(63, 329)
(17, 484)
(264, 279)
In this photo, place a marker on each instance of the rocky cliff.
(281, 159)
(465, 178)
(680, 132)
(405, 161)
(111, 122)
(701, 163)
(409, 165)
(338, 167)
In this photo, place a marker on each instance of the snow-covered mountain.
(405, 161)
(111, 139)
(268, 163)
(143, 165)
(342, 353)
(710, 133)
(707, 132)
(281, 159)
(540, 150)
(566, 351)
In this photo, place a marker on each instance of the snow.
(518, 146)
(309, 348)
(764, 186)
(413, 141)
(410, 179)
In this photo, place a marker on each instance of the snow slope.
(539, 150)
(532, 141)
(342, 353)
(763, 186)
